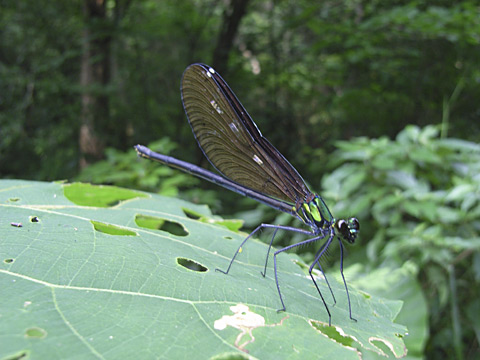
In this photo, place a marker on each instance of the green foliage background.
(324, 71)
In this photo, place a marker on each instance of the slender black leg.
(238, 250)
(344, 282)
(286, 249)
(276, 227)
(328, 284)
(268, 253)
(321, 250)
(318, 255)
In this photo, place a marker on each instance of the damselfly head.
(348, 229)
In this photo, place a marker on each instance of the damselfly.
(249, 165)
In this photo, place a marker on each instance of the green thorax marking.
(314, 212)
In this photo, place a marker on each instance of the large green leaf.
(134, 277)
(397, 282)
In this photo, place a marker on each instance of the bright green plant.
(126, 169)
(123, 169)
(418, 198)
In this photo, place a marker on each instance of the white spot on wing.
(233, 127)
(257, 160)
(216, 107)
(211, 70)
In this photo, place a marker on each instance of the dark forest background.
(83, 81)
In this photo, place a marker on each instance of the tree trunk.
(231, 21)
(95, 75)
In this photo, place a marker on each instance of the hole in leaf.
(381, 345)
(332, 333)
(191, 214)
(156, 223)
(230, 356)
(191, 265)
(365, 295)
(18, 356)
(302, 266)
(34, 219)
(8, 261)
(98, 195)
(112, 229)
(231, 224)
(228, 237)
(36, 332)
(14, 199)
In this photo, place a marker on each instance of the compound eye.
(354, 224)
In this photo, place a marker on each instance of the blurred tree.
(95, 72)
(39, 73)
(316, 71)
(232, 16)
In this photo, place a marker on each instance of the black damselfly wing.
(232, 142)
